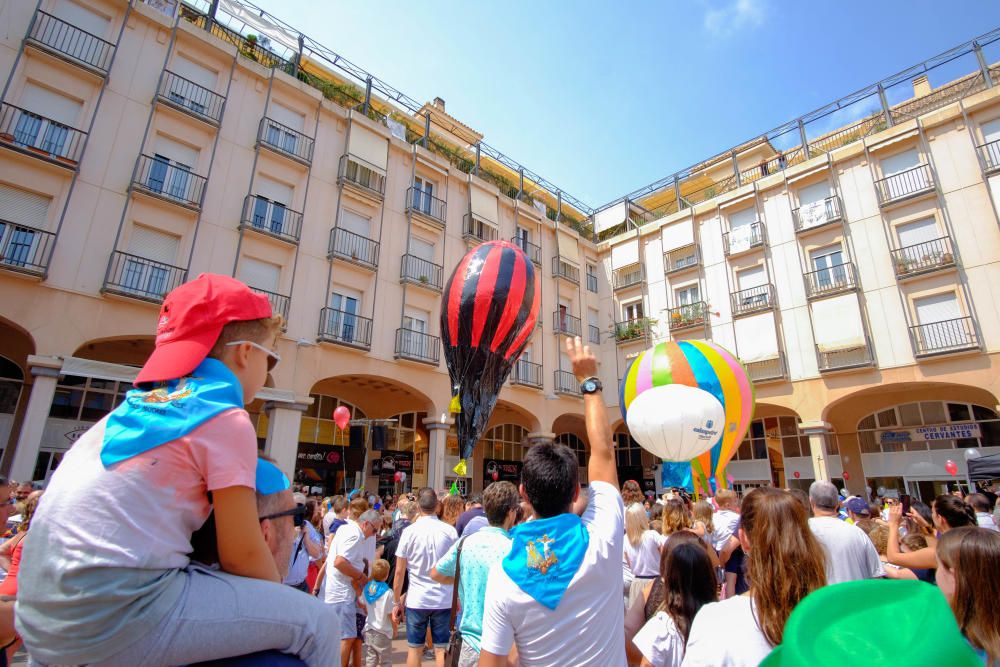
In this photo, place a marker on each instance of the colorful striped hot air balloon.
(716, 376)
(489, 310)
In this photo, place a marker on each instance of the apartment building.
(145, 142)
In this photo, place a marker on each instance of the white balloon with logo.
(676, 422)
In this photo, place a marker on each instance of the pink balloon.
(951, 467)
(847, 476)
(495, 476)
(398, 477)
(402, 477)
(797, 474)
(342, 416)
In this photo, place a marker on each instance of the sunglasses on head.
(298, 514)
(272, 357)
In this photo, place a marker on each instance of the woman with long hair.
(632, 493)
(785, 563)
(947, 513)
(968, 560)
(676, 516)
(642, 551)
(702, 513)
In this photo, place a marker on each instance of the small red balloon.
(796, 474)
(342, 416)
(495, 476)
(847, 475)
(951, 467)
(398, 477)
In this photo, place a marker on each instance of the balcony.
(163, 179)
(418, 271)
(766, 370)
(688, 316)
(681, 259)
(627, 276)
(743, 239)
(844, 359)
(534, 252)
(564, 323)
(362, 176)
(25, 249)
(279, 302)
(285, 141)
(526, 374)
(32, 134)
(989, 156)
(592, 282)
(831, 280)
(141, 278)
(631, 331)
(426, 206)
(271, 218)
(187, 96)
(923, 258)
(593, 334)
(476, 231)
(752, 300)
(943, 337)
(905, 185)
(71, 44)
(566, 384)
(563, 269)
(353, 248)
(417, 346)
(344, 328)
(817, 214)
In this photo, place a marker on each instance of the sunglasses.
(272, 357)
(298, 514)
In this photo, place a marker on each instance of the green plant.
(424, 279)
(251, 39)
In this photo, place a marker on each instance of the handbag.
(454, 650)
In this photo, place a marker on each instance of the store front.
(394, 471)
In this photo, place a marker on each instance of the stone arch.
(506, 412)
(378, 397)
(128, 350)
(16, 345)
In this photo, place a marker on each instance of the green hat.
(873, 622)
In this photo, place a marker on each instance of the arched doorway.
(634, 462)
(16, 345)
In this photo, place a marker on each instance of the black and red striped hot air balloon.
(489, 311)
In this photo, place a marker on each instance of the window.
(628, 452)
(49, 117)
(423, 193)
(592, 278)
(152, 254)
(343, 318)
(197, 97)
(283, 131)
(523, 238)
(575, 443)
(685, 296)
(505, 442)
(828, 265)
(937, 308)
(11, 382)
(900, 162)
(892, 430)
(414, 340)
(422, 249)
(754, 445)
(915, 233)
(355, 223)
(82, 18)
(260, 274)
(86, 399)
(632, 311)
(317, 425)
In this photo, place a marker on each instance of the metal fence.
(904, 185)
(418, 201)
(285, 140)
(134, 276)
(353, 247)
(688, 315)
(743, 239)
(944, 336)
(157, 175)
(68, 40)
(817, 214)
(417, 346)
(563, 269)
(363, 174)
(279, 302)
(627, 276)
(564, 323)
(533, 251)
(565, 383)
(39, 135)
(24, 248)
(418, 270)
(345, 328)
(923, 257)
(190, 97)
(478, 231)
(681, 259)
(831, 280)
(273, 218)
(752, 300)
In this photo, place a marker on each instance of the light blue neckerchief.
(545, 555)
(269, 478)
(149, 418)
(374, 590)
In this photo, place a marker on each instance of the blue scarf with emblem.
(545, 555)
(149, 418)
(374, 590)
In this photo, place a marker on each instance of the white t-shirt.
(660, 641)
(378, 615)
(724, 522)
(985, 520)
(349, 542)
(644, 559)
(850, 554)
(423, 544)
(725, 634)
(585, 629)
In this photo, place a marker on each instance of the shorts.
(345, 612)
(417, 621)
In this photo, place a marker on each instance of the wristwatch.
(591, 385)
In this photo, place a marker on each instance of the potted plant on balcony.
(903, 265)
(423, 280)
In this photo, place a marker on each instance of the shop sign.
(319, 456)
(925, 433)
(504, 470)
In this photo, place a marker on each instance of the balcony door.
(917, 240)
(45, 125)
(941, 324)
(632, 312)
(751, 283)
(344, 316)
(523, 237)
(24, 216)
(423, 193)
(901, 180)
(414, 340)
(152, 253)
(828, 264)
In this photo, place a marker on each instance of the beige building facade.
(143, 143)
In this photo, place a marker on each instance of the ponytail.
(954, 511)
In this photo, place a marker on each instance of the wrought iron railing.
(190, 97)
(631, 330)
(563, 269)
(24, 248)
(284, 139)
(851, 357)
(534, 252)
(345, 328)
(762, 370)
(279, 302)
(67, 40)
(362, 174)
(905, 184)
(743, 238)
(831, 280)
(688, 315)
(594, 334)
(526, 373)
(417, 346)
(817, 214)
(627, 276)
(353, 247)
(429, 206)
(476, 230)
(272, 218)
(565, 383)
(989, 155)
(141, 278)
(752, 300)
(681, 259)
(419, 271)
(923, 257)
(945, 336)
(938, 98)
(158, 176)
(38, 135)
(564, 323)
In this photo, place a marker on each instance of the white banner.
(925, 433)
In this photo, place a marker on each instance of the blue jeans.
(417, 621)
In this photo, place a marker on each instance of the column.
(540, 438)
(45, 371)
(283, 423)
(437, 430)
(817, 432)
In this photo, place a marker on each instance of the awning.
(984, 468)
(568, 250)
(369, 146)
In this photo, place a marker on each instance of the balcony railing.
(475, 230)
(353, 248)
(526, 373)
(688, 315)
(68, 41)
(923, 257)
(904, 185)
(564, 323)
(565, 383)
(592, 282)
(563, 269)
(419, 271)
(361, 174)
(37, 135)
(25, 249)
(743, 238)
(817, 214)
(945, 336)
(191, 98)
(681, 259)
(427, 206)
(593, 334)
(830, 280)
(627, 276)
(989, 155)
(763, 370)
(141, 278)
(344, 328)
(851, 357)
(285, 140)
(271, 218)
(752, 300)
(534, 252)
(417, 346)
(162, 178)
(279, 302)
(630, 331)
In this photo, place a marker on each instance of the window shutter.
(816, 192)
(750, 278)
(50, 104)
(23, 207)
(937, 308)
(176, 151)
(747, 216)
(353, 222)
(260, 274)
(286, 116)
(900, 162)
(194, 72)
(422, 249)
(82, 17)
(153, 245)
(273, 190)
(917, 232)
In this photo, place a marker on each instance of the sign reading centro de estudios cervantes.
(926, 433)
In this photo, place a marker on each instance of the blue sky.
(602, 98)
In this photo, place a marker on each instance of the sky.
(602, 98)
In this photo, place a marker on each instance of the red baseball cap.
(191, 319)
